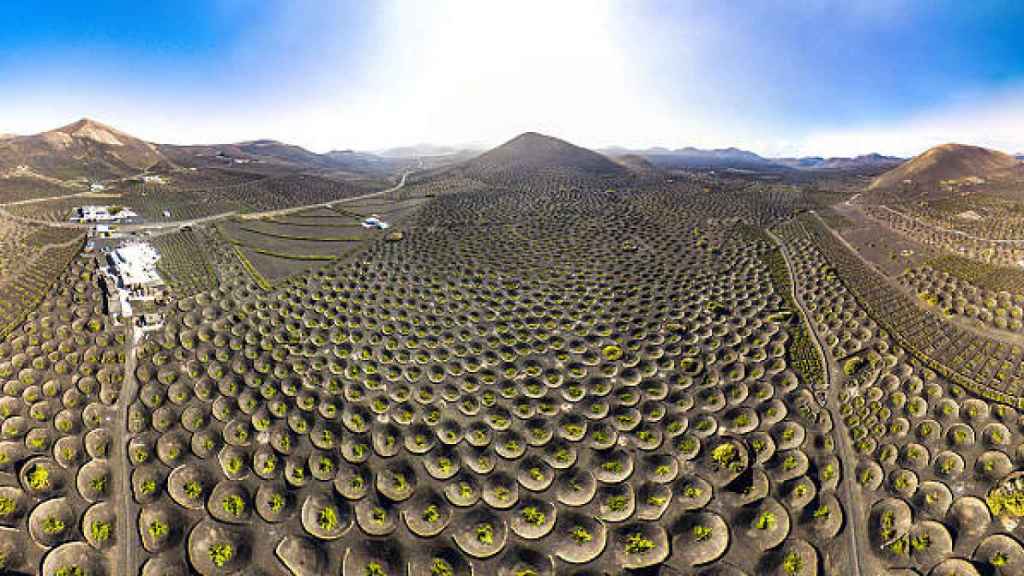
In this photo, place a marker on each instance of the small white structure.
(153, 179)
(375, 222)
(102, 214)
(97, 187)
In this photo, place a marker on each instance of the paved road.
(285, 211)
(846, 454)
(156, 226)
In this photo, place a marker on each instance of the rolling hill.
(864, 163)
(536, 153)
(85, 149)
(90, 151)
(716, 159)
(948, 162)
(274, 155)
(636, 163)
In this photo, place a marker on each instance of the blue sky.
(778, 77)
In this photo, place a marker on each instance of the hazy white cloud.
(329, 75)
(993, 121)
(461, 71)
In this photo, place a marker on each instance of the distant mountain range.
(635, 163)
(735, 158)
(277, 154)
(90, 150)
(864, 162)
(695, 158)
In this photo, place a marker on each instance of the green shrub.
(221, 553)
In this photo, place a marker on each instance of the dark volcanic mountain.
(866, 162)
(86, 149)
(93, 151)
(274, 154)
(636, 163)
(533, 152)
(948, 162)
(718, 159)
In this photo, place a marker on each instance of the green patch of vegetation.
(53, 525)
(100, 531)
(1006, 501)
(792, 563)
(702, 533)
(431, 514)
(327, 519)
(485, 534)
(7, 506)
(581, 535)
(638, 544)
(612, 352)
(533, 516)
(765, 521)
(221, 553)
(38, 477)
(233, 505)
(158, 529)
(441, 567)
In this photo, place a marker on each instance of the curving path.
(846, 454)
(179, 223)
(950, 230)
(127, 524)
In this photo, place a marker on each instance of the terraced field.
(454, 401)
(185, 263)
(540, 373)
(931, 460)
(31, 258)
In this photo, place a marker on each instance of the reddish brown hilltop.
(85, 149)
(948, 162)
(535, 153)
(636, 163)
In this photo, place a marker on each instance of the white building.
(135, 266)
(134, 282)
(103, 214)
